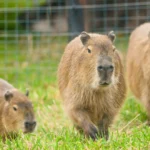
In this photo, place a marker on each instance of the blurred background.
(33, 36)
(34, 33)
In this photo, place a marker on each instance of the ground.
(33, 66)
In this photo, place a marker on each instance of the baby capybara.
(16, 111)
(138, 65)
(91, 82)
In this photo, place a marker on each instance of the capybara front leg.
(103, 131)
(103, 127)
(82, 121)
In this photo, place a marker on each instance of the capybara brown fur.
(16, 111)
(138, 65)
(91, 82)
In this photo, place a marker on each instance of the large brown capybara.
(16, 111)
(138, 65)
(91, 83)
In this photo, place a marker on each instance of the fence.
(33, 33)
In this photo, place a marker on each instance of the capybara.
(91, 82)
(16, 111)
(138, 65)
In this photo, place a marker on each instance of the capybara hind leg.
(146, 101)
(148, 112)
(82, 121)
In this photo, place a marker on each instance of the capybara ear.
(112, 36)
(8, 95)
(27, 93)
(84, 37)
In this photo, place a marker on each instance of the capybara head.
(100, 58)
(18, 113)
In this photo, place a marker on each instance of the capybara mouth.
(105, 84)
(28, 131)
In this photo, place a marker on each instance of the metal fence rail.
(34, 33)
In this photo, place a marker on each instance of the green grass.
(55, 130)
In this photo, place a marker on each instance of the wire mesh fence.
(33, 33)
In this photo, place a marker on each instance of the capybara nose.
(30, 125)
(109, 68)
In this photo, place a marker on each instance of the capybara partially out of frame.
(16, 111)
(138, 65)
(91, 82)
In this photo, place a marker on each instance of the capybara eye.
(14, 108)
(89, 51)
(111, 67)
(100, 68)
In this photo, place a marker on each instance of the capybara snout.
(105, 70)
(29, 126)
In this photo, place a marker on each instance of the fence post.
(75, 19)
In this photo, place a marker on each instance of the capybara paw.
(103, 131)
(93, 133)
(104, 134)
